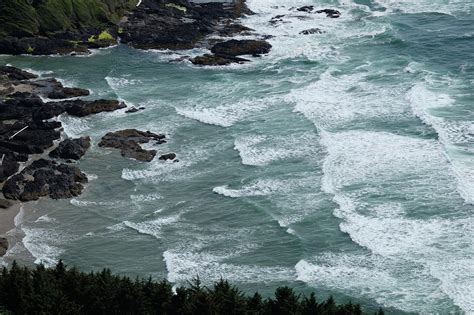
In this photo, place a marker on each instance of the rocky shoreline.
(36, 156)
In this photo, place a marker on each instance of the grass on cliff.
(68, 291)
(26, 18)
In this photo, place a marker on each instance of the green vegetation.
(176, 6)
(67, 291)
(30, 50)
(26, 18)
(104, 35)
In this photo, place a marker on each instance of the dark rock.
(39, 46)
(128, 141)
(241, 47)
(37, 137)
(134, 109)
(72, 149)
(5, 204)
(3, 246)
(312, 31)
(176, 25)
(233, 29)
(13, 73)
(67, 92)
(330, 13)
(169, 156)
(82, 108)
(214, 60)
(45, 178)
(7, 169)
(306, 8)
(276, 19)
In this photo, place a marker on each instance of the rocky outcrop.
(128, 141)
(45, 178)
(225, 53)
(80, 108)
(24, 131)
(71, 149)
(179, 24)
(241, 47)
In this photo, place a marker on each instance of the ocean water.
(342, 162)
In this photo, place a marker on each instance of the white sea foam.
(118, 83)
(184, 266)
(336, 101)
(73, 126)
(88, 203)
(153, 227)
(410, 167)
(451, 132)
(258, 188)
(223, 115)
(146, 197)
(260, 150)
(44, 244)
(372, 276)
(45, 218)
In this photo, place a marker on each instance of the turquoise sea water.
(342, 162)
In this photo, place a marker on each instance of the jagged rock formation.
(128, 141)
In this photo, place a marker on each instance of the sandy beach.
(7, 218)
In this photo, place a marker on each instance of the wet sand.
(7, 218)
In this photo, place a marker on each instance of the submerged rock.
(128, 141)
(306, 8)
(216, 60)
(72, 149)
(312, 31)
(330, 13)
(45, 178)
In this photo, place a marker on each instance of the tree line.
(62, 290)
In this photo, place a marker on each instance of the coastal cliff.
(59, 26)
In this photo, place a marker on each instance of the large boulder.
(71, 149)
(236, 47)
(128, 141)
(45, 178)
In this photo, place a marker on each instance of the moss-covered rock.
(76, 21)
